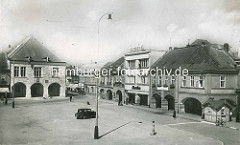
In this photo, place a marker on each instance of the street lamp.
(96, 136)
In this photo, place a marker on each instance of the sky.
(69, 28)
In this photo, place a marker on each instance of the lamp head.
(110, 16)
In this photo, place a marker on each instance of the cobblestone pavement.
(36, 122)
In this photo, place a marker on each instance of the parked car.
(84, 113)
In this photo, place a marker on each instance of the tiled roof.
(34, 49)
(201, 42)
(218, 104)
(116, 63)
(198, 59)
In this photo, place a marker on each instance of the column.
(238, 105)
(62, 91)
(28, 92)
(45, 91)
(137, 99)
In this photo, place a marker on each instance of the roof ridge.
(18, 47)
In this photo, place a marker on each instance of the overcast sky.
(69, 27)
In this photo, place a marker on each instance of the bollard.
(153, 129)
(174, 114)
(13, 104)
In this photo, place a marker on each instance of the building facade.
(137, 79)
(211, 74)
(112, 81)
(35, 71)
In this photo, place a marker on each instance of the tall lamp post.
(96, 135)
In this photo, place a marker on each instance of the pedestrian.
(70, 98)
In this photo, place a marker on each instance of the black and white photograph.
(119, 72)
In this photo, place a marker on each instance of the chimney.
(170, 48)
(226, 47)
(9, 46)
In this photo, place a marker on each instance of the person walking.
(70, 98)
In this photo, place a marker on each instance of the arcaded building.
(212, 75)
(35, 71)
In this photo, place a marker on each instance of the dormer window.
(47, 59)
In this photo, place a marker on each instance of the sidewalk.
(233, 124)
(35, 100)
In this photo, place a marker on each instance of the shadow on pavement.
(117, 128)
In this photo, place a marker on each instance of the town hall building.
(35, 71)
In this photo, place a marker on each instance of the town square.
(120, 72)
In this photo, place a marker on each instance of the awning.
(4, 90)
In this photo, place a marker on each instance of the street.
(55, 123)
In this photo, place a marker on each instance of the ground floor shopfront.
(186, 102)
(116, 94)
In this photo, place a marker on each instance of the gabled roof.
(218, 104)
(116, 63)
(30, 47)
(106, 65)
(198, 59)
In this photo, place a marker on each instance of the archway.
(158, 100)
(37, 90)
(109, 94)
(102, 93)
(131, 99)
(119, 94)
(193, 106)
(143, 99)
(171, 102)
(19, 90)
(54, 89)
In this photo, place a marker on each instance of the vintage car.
(84, 113)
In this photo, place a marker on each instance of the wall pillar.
(28, 92)
(45, 91)
(137, 99)
(62, 91)
(238, 105)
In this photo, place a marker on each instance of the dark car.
(85, 113)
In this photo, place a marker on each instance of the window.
(23, 72)
(131, 79)
(184, 81)
(37, 72)
(173, 80)
(19, 71)
(222, 81)
(143, 63)
(200, 82)
(55, 72)
(144, 79)
(16, 71)
(191, 81)
(131, 64)
(166, 80)
(160, 80)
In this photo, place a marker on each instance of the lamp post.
(96, 135)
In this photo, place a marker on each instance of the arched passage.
(109, 94)
(158, 100)
(119, 95)
(19, 90)
(37, 90)
(102, 93)
(171, 102)
(193, 106)
(54, 89)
